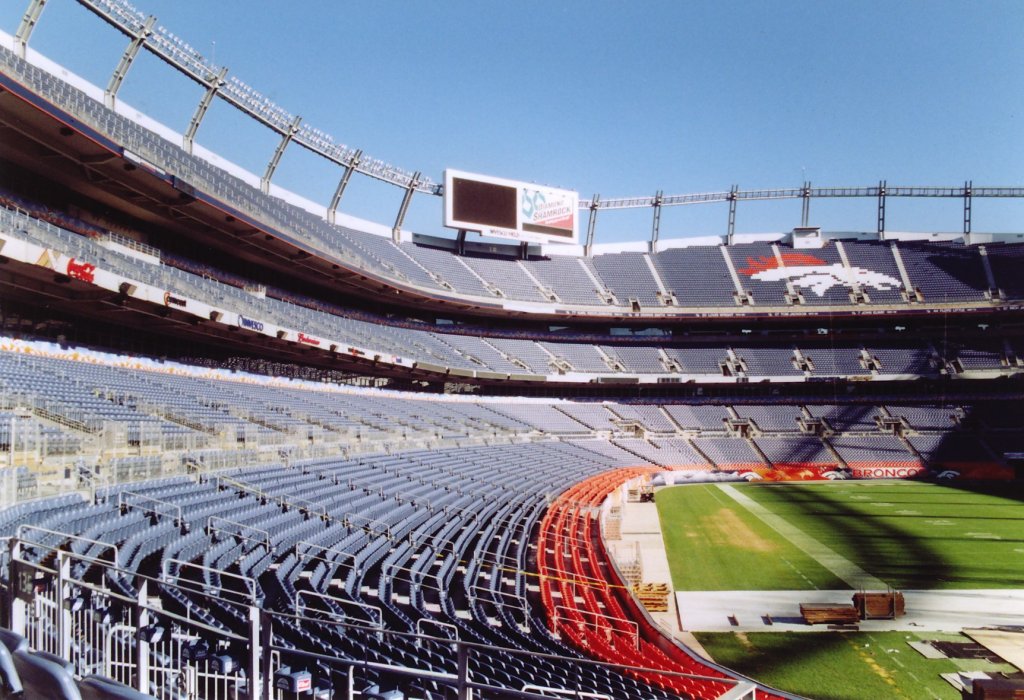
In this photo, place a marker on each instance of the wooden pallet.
(632, 573)
(653, 596)
(613, 523)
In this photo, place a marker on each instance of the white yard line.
(839, 565)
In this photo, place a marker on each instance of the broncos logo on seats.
(835, 476)
(809, 272)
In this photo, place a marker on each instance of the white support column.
(740, 291)
(968, 188)
(659, 197)
(29, 20)
(731, 229)
(907, 284)
(214, 84)
(805, 195)
(591, 224)
(986, 264)
(63, 614)
(414, 182)
(332, 208)
(127, 58)
(464, 692)
(17, 577)
(881, 210)
(286, 138)
(142, 620)
(255, 666)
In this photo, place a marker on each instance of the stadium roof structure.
(144, 32)
(218, 205)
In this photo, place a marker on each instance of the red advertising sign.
(81, 271)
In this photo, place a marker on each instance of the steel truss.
(144, 32)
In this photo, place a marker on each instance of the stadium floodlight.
(178, 53)
(181, 55)
(129, 17)
(805, 192)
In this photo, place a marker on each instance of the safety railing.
(125, 633)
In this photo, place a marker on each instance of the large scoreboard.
(503, 208)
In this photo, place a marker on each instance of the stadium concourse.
(256, 447)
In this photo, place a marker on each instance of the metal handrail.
(121, 502)
(597, 616)
(300, 608)
(19, 535)
(211, 528)
(165, 577)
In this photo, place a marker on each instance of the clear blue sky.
(602, 97)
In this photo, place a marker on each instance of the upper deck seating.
(698, 276)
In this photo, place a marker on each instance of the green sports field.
(844, 666)
(910, 535)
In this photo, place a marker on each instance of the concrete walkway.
(926, 611)
(641, 535)
(839, 565)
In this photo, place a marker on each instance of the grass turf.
(840, 666)
(911, 535)
(715, 544)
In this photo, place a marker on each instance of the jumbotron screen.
(510, 209)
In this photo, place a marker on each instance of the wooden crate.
(885, 605)
(997, 689)
(827, 613)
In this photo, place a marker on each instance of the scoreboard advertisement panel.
(503, 208)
